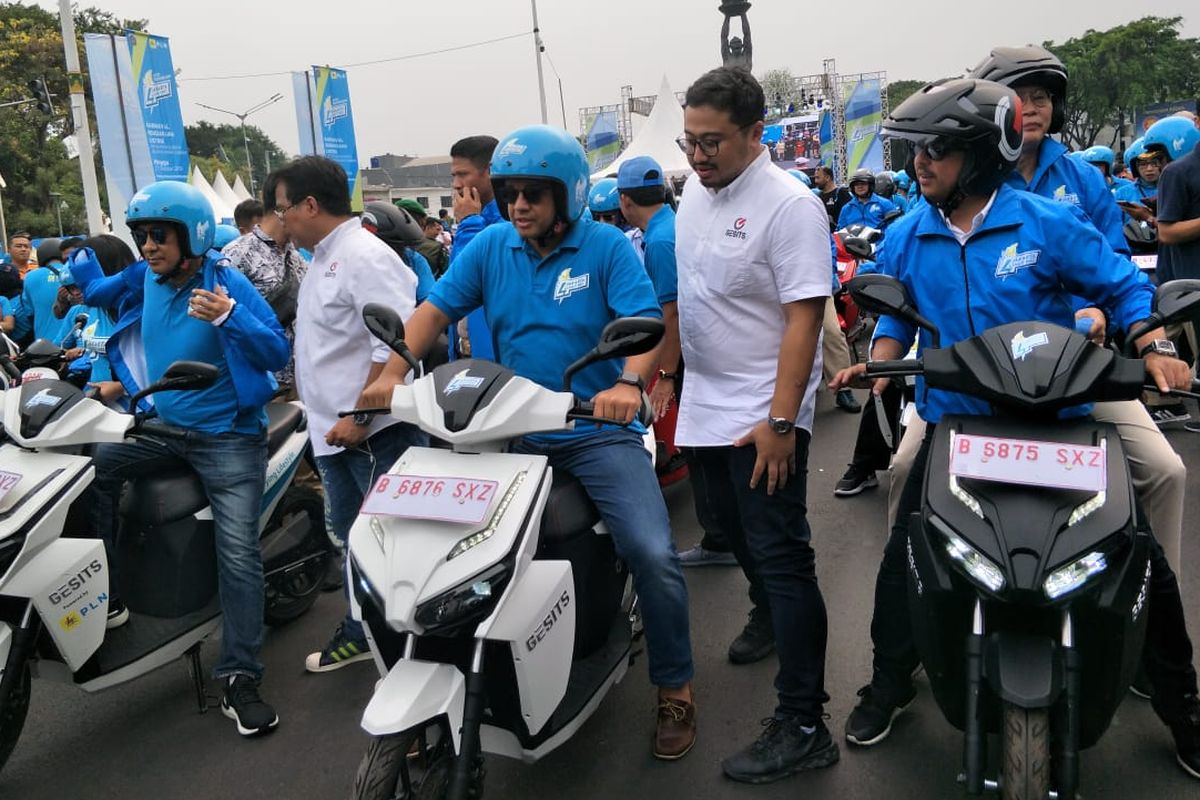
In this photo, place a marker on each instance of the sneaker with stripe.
(340, 651)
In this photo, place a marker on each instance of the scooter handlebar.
(585, 411)
(894, 369)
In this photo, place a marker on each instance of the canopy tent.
(657, 138)
(220, 211)
(239, 189)
(225, 191)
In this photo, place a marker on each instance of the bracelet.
(663, 375)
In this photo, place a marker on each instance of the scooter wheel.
(414, 764)
(1026, 754)
(12, 714)
(292, 591)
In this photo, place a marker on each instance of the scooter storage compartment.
(168, 570)
(599, 584)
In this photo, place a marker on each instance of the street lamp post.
(56, 198)
(242, 119)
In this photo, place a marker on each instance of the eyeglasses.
(1034, 97)
(709, 146)
(533, 194)
(606, 216)
(156, 232)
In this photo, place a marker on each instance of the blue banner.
(336, 123)
(154, 76)
(864, 114)
(828, 142)
(603, 142)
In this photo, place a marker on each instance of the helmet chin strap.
(560, 225)
(177, 270)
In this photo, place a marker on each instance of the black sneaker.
(871, 720)
(782, 749)
(341, 651)
(846, 401)
(855, 481)
(118, 614)
(1186, 730)
(243, 705)
(755, 642)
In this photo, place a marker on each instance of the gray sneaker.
(699, 556)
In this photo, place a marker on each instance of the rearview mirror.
(1177, 301)
(894, 214)
(883, 294)
(859, 248)
(621, 338)
(383, 322)
(180, 376)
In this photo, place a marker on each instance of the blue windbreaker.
(869, 212)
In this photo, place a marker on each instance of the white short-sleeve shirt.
(743, 251)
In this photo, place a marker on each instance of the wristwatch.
(633, 379)
(663, 375)
(781, 425)
(1163, 347)
(362, 420)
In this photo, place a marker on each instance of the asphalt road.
(145, 739)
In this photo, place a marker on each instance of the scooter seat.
(569, 510)
(282, 420)
(168, 496)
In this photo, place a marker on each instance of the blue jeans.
(232, 468)
(348, 476)
(770, 536)
(616, 472)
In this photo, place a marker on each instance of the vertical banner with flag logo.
(864, 114)
(828, 142)
(154, 78)
(603, 141)
(332, 95)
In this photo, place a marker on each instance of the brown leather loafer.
(676, 730)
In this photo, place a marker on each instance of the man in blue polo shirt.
(548, 282)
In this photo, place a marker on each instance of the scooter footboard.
(414, 692)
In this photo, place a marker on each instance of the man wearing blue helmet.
(548, 281)
(183, 301)
(1138, 198)
(1103, 159)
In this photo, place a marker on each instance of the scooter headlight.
(1071, 577)
(471, 599)
(973, 562)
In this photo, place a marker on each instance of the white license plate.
(439, 498)
(1055, 465)
(1146, 262)
(8, 482)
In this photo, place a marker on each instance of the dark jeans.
(771, 539)
(714, 538)
(232, 468)
(348, 476)
(1168, 656)
(871, 451)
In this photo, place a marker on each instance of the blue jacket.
(1131, 192)
(252, 340)
(869, 212)
(1026, 260)
(477, 327)
(1066, 180)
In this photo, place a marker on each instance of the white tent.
(225, 191)
(219, 209)
(240, 190)
(657, 138)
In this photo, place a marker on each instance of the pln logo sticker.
(566, 286)
(1023, 345)
(155, 90)
(70, 621)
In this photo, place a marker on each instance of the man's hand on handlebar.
(621, 403)
(1168, 373)
(1099, 323)
(379, 393)
(855, 377)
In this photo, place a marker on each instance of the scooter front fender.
(416, 692)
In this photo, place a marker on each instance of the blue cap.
(639, 172)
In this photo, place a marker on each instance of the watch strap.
(633, 379)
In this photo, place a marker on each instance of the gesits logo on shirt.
(1011, 262)
(737, 231)
(566, 285)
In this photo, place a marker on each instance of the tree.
(33, 160)
(899, 91)
(779, 88)
(1115, 72)
(223, 146)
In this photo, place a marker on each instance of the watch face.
(781, 426)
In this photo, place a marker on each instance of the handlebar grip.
(368, 411)
(891, 369)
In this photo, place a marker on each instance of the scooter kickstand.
(192, 656)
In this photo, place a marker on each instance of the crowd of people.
(531, 268)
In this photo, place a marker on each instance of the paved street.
(145, 740)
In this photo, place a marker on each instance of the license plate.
(8, 482)
(441, 498)
(1146, 262)
(1055, 465)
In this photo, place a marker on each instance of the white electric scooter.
(54, 589)
(498, 612)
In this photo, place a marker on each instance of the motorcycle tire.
(291, 594)
(1025, 756)
(407, 765)
(12, 714)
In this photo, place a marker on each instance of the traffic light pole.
(83, 130)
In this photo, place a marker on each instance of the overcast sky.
(420, 106)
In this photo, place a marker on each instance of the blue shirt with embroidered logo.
(659, 243)
(868, 212)
(544, 313)
(1024, 261)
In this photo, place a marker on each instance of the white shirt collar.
(731, 189)
(962, 235)
(321, 251)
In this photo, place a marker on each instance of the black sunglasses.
(605, 216)
(533, 194)
(156, 232)
(937, 149)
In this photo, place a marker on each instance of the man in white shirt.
(337, 357)
(752, 245)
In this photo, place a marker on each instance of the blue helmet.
(902, 180)
(1176, 136)
(1099, 154)
(541, 152)
(224, 235)
(800, 176)
(177, 202)
(604, 197)
(1135, 149)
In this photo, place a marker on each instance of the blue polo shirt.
(36, 308)
(171, 335)
(659, 244)
(544, 313)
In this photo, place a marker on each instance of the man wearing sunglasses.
(183, 301)
(979, 255)
(548, 283)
